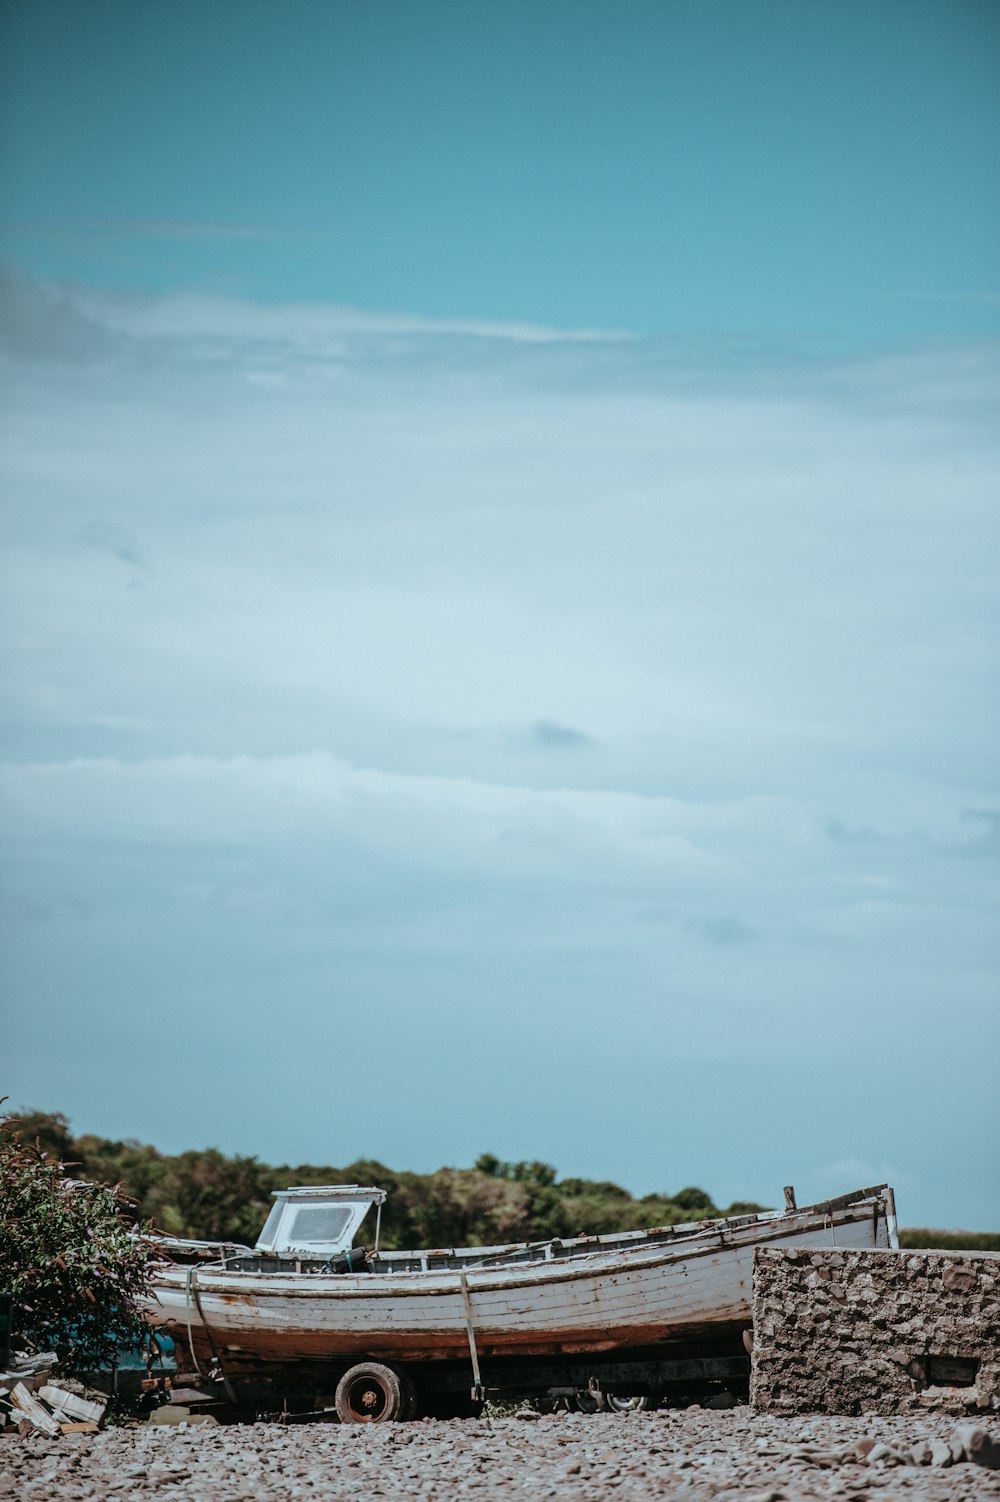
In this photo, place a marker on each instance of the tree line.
(208, 1195)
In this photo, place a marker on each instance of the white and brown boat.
(305, 1295)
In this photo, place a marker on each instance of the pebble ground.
(691, 1456)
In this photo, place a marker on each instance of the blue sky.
(499, 586)
(818, 169)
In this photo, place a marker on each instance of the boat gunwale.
(229, 1283)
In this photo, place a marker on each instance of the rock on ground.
(687, 1456)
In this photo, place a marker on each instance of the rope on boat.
(191, 1290)
(187, 1305)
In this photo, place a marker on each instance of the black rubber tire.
(629, 1403)
(587, 1401)
(371, 1393)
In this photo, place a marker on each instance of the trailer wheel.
(629, 1403)
(589, 1400)
(371, 1393)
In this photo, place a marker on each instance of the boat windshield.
(317, 1223)
(266, 1237)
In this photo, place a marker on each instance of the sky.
(498, 592)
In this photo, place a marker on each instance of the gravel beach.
(692, 1455)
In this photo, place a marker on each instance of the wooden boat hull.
(698, 1289)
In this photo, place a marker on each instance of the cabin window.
(319, 1223)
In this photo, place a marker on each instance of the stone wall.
(874, 1331)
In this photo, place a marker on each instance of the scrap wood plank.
(71, 1404)
(30, 1366)
(35, 1412)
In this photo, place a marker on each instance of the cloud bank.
(594, 734)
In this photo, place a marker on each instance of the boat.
(305, 1294)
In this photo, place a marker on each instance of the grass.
(948, 1241)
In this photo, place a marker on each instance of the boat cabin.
(319, 1221)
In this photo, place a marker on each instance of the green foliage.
(695, 1200)
(68, 1253)
(213, 1197)
(542, 1174)
(923, 1237)
(225, 1198)
(601, 1189)
(48, 1132)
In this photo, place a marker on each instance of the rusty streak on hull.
(616, 1298)
(309, 1346)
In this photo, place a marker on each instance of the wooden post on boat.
(477, 1390)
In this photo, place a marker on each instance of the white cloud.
(644, 691)
(300, 327)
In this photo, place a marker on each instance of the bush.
(76, 1269)
(695, 1200)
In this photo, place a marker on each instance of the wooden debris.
(32, 1405)
(31, 1370)
(71, 1404)
(30, 1364)
(29, 1408)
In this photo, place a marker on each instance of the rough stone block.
(844, 1331)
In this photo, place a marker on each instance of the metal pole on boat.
(477, 1390)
